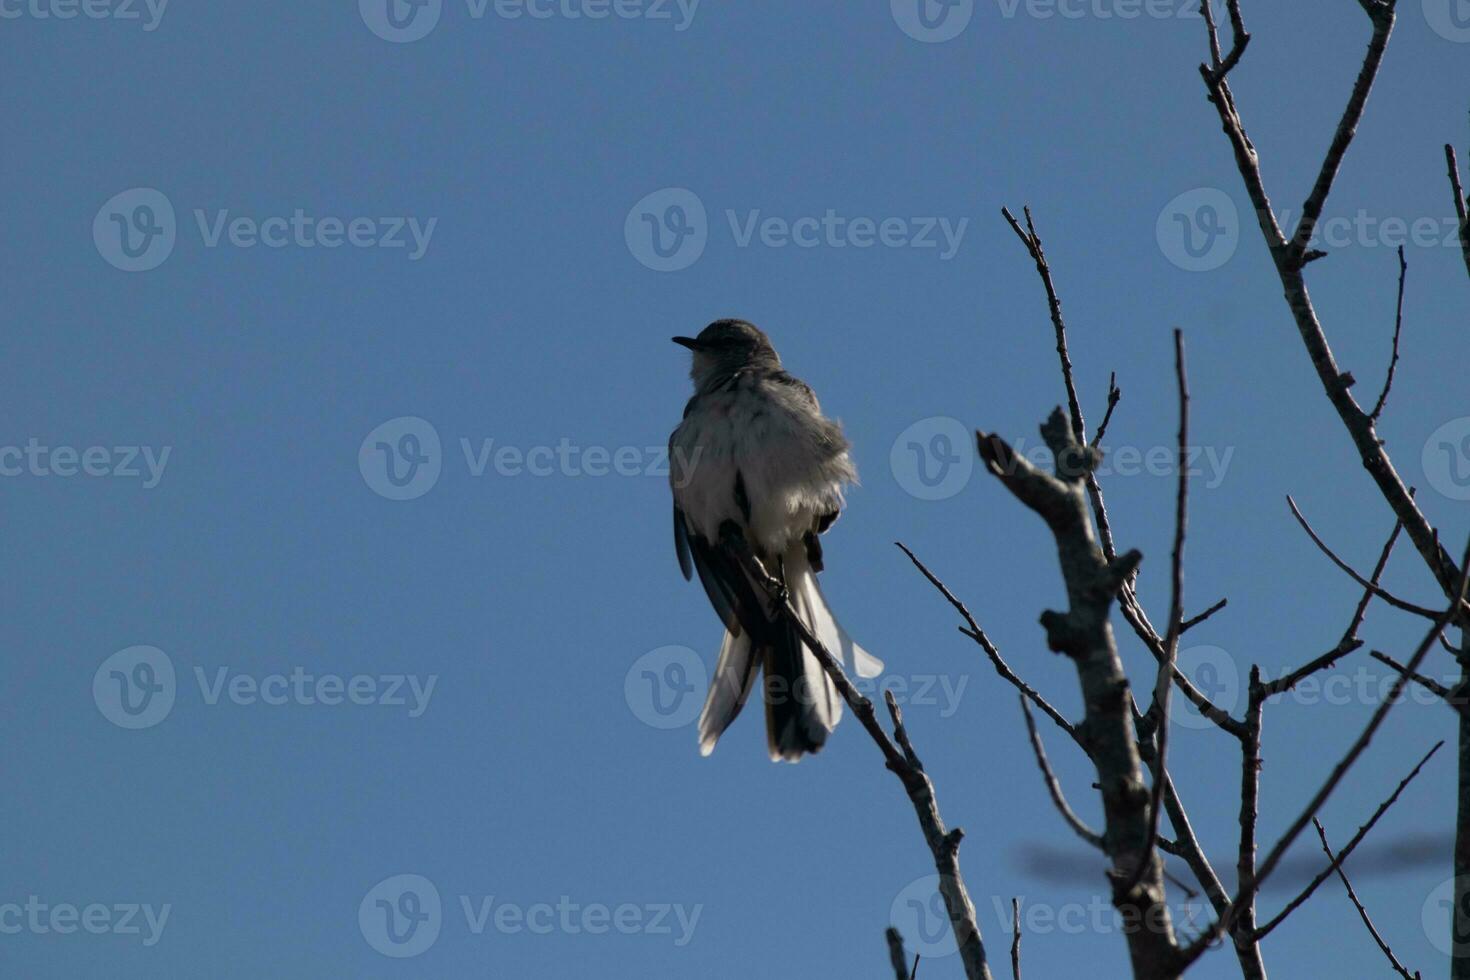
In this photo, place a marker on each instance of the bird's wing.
(681, 544)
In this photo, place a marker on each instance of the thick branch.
(1290, 259)
(1084, 634)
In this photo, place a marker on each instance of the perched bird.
(756, 455)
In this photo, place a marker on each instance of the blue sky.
(356, 239)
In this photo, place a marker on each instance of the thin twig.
(1398, 326)
(1382, 15)
(1286, 682)
(1383, 594)
(1194, 621)
(1362, 912)
(1054, 786)
(977, 634)
(1114, 395)
(1163, 685)
(1361, 610)
(1428, 683)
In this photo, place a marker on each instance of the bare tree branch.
(975, 633)
(1252, 884)
(896, 954)
(1054, 786)
(1286, 682)
(1159, 709)
(901, 760)
(1084, 634)
(1398, 326)
(1114, 395)
(1032, 241)
(1016, 935)
(1461, 202)
(1383, 594)
(1289, 259)
(1326, 872)
(1194, 621)
(1382, 14)
(1427, 683)
(1362, 912)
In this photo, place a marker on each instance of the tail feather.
(811, 606)
(729, 689)
(802, 703)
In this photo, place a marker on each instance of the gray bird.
(754, 450)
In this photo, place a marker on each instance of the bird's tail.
(802, 703)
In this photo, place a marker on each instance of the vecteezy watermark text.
(41, 918)
(121, 462)
(137, 687)
(136, 230)
(150, 12)
(668, 230)
(403, 915)
(403, 21)
(402, 459)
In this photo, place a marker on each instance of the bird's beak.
(688, 342)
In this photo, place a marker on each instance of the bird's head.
(727, 346)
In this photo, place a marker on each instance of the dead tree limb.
(901, 760)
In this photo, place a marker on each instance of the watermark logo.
(1214, 673)
(933, 458)
(401, 916)
(1199, 230)
(667, 230)
(665, 687)
(1442, 927)
(135, 688)
(401, 459)
(932, 21)
(135, 230)
(918, 912)
(91, 9)
(400, 21)
(1450, 19)
(1446, 458)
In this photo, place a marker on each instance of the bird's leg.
(734, 539)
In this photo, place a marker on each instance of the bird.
(755, 456)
